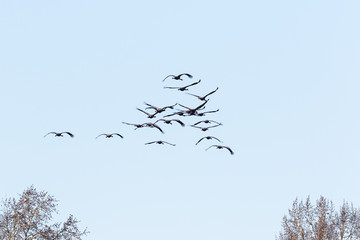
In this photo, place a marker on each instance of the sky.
(288, 78)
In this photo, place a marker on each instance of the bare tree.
(28, 219)
(320, 222)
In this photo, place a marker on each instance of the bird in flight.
(221, 147)
(168, 121)
(135, 125)
(193, 111)
(60, 134)
(160, 142)
(109, 135)
(207, 121)
(185, 88)
(204, 129)
(204, 97)
(158, 109)
(208, 138)
(150, 115)
(178, 77)
(201, 114)
(153, 125)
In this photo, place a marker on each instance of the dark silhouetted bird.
(160, 142)
(208, 138)
(150, 115)
(178, 77)
(185, 88)
(171, 120)
(135, 125)
(207, 121)
(158, 109)
(204, 97)
(221, 147)
(193, 111)
(201, 114)
(204, 128)
(153, 125)
(109, 135)
(60, 134)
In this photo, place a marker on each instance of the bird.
(207, 121)
(201, 114)
(135, 125)
(160, 142)
(193, 111)
(168, 121)
(204, 97)
(208, 138)
(60, 134)
(158, 109)
(204, 129)
(148, 114)
(180, 113)
(109, 135)
(221, 147)
(153, 125)
(178, 77)
(185, 88)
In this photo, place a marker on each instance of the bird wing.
(186, 74)
(117, 135)
(199, 140)
(180, 122)
(69, 133)
(211, 147)
(215, 138)
(193, 95)
(195, 126)
(184, 106)
(168, 76)
(231, 152)
(100, 135)
(168, 143)
(156, 126)
(143, 111)
(211, 92)
(150, 142)
(193, 84)
(50, 133)
(172, 87)
(197, 123)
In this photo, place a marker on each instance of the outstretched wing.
(168, 76)
(231, 152)
(150, 142)
(211, 92)
(178, 121)
(194, 95)
(186, 74)
(211, 147)
(156, 126)
(69, 133)
(168, 143)
(172, 87)
(143, 111)
(100, 135)
(117, 135)
(216, 138)
(193, 83)
(200, 140)
(50, 133)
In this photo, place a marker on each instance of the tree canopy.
(28, 218)
(321, 221)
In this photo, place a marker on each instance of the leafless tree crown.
(28, 218)
(320, 222)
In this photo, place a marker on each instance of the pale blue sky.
(288, 76)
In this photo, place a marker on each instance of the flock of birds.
(186, 111)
